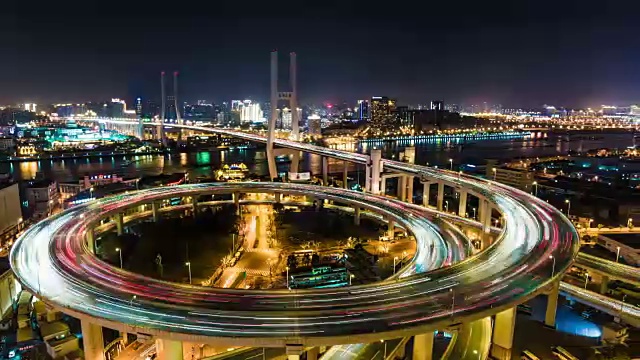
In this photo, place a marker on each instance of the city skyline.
(518, 55)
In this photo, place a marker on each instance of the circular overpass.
(537, 245)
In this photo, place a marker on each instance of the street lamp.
(446, 205)
(494, 174)
(568, 202)
(535, 183)
(474, 214)
(617, 253)
(120, 253)
(351, 276)
(590, 221)
(287, 277)
(453, 300)
(385, 348)
(553, 267)
(394, 264)
(188, 265)
(451, 164)
(133, 298)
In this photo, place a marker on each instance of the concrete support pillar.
(236, 202)
(194, 206)
(356, 215)
(125, 338)
(604, 284)
(345, 175)
(91, 242)
(503, 329)
(154, 210)
(295, 161)
(312, 354)
(423, 346)
(440, 202)
(169, 349)
(374, 171)
(409, 185)
(294, 352)
(278, 197)
(92, 341)
(391, 229)
(383, 185)
(325, 171)
(426, 188)
(119, 219)
(401, 191)
(462, 204)
(552, 305)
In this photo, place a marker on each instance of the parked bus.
(562, 354)
(528, 355)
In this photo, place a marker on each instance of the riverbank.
(65, 156)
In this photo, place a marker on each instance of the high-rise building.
(30, 107)
(383, 113)
(236, 105)
(437, 105)
(250, 112)
(139, 107)
(363, 110)
(314, 125)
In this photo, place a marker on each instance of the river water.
(206, 162)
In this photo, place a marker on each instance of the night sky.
(513, 52)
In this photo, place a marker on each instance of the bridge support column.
(154, 211)
(485, 220)
(374, 169)
(194, 206)
(169, 349)
(92, 341)
(391, 229)
(401, 191)
(294, 352)
(345, 175)
(503, 329)
(125, 338)
(440, 196)
(426, 188)
(408, 181)
(462, 204)
(325, 171)
(91, 242)
(423, 346)
(278, 197)
(383, 185)
(119, 218)
(604, 284)
(356, 215)
(236, 201)
(295, 161)
(552, 305)
(312, 354)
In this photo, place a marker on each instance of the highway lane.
(514, 269)
(614, 270)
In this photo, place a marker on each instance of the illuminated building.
(139, 107)
(236, 105)
(250, 112)
(383, 113)
(314, 125)
(285, 118)
(634, 110)
(437, 105)
(42, 197)
(30, 107)
(363, 110)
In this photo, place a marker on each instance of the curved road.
(52, 260)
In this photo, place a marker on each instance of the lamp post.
(120, 254)
(453, 300)
(287, 277)
(188, 265)
(617, 253)
(474, 214)
(351, 276)
(133, 298)
(394, 264)
(553, 267)
(451, 164)
(385, 349)
(446, 206)
(535, 193)
(586, 280)
(568, 202)
(494, 173)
